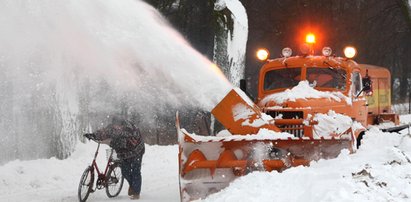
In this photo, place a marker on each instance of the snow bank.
(379, 171)
(304, 91)
(405, 118)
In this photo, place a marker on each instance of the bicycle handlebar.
(90, 136)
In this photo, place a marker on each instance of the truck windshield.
(282, 78)
(320, 77)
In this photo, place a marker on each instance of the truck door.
(383, 96)
(359, 109)
(373, 99)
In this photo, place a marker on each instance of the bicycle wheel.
(86, 184)
(115, 180)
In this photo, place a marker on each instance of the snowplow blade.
(208, 165)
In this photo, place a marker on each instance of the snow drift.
(378, 171)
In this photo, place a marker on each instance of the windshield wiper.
(336, 70)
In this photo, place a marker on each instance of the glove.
(90, 136)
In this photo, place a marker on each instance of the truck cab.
(320, 83)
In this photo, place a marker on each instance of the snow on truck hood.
(303, 91)
(333, 123)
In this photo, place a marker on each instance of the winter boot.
(130, 191)
(135, 196)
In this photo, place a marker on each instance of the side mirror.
(367, 84)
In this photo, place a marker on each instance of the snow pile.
(357, 126)
(405, 119)
(303, 91)
(331, 123)
(387, 124)
(379, 171)
(269, 134)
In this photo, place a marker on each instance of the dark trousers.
(131, 170)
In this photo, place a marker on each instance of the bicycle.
(111, 179)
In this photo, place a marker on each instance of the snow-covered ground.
(378, 171)
(57, 180)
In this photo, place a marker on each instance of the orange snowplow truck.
(308, 107)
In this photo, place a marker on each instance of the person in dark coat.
(125, 138)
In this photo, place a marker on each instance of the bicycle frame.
(101, 177)
(111, 179)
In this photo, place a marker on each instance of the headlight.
(262, 54)
(287, 52)
(327, 51)
(350, 52)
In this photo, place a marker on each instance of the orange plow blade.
(209, 164)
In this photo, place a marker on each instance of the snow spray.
(65, 63)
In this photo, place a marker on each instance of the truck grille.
(287, 114)
(296, 130)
